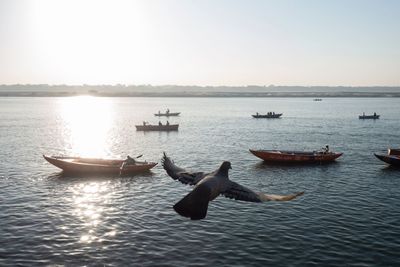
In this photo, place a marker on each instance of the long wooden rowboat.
(103, 166)
(268, 116)
(284, 156)
(369, 117)
(392, 157)
(170, 114)
(165, 127)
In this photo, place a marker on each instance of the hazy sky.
(208, 42)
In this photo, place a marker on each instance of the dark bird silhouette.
(210, 185)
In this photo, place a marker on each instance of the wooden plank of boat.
(283, 156)
(170, 114)
(164, 127)
(390, 159)
(93, 165)
(394, 151)
(366, 117)
(268, 116)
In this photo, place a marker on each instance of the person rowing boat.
(128, 161)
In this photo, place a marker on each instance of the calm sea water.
(349, 215)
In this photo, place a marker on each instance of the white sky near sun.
(220, 42)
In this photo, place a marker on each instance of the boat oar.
(139, 156)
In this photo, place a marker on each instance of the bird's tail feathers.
(194, 205)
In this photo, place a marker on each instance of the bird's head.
(226, 165)
(224, 169)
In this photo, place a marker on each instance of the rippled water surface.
(349, 215)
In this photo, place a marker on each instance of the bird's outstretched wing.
(178, 173)
(238, 192)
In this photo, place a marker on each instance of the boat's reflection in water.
(96, 177)
(283, 165)
(390, 169)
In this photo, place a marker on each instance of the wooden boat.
(268, 116)
(366, 117)
(167, 114)
(285, 156)
(392, 157)
(164, 127)
(93, 165)
(394, 151)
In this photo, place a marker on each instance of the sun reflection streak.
(89, 200)
(88, 121)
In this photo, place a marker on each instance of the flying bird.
(207, 186)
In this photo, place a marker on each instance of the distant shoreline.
(211, 95)
(43, 90)
(199, 94)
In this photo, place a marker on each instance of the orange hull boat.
(104, 166)
(283, 156)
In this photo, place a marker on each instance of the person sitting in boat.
(144, 123)
(159, 123)
(326, 149)
(257, 113)
(167, 122)
(374, 114)
(167, 111)
(128, 161)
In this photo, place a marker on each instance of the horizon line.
(193, 85)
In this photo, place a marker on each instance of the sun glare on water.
(91, 206)
(87, 123)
